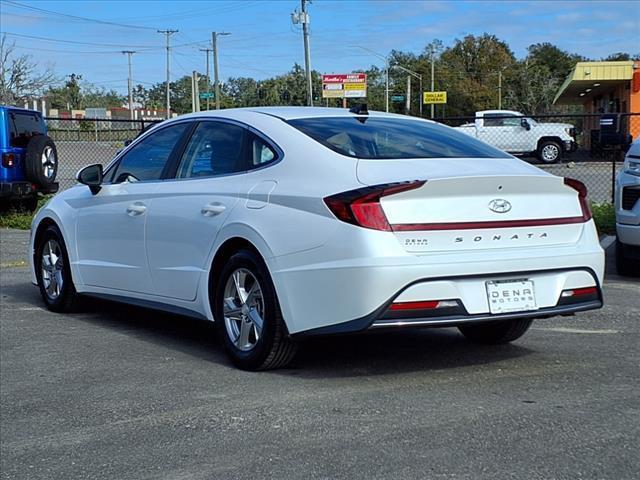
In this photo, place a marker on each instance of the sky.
(87, 37)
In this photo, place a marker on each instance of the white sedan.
(280, 223)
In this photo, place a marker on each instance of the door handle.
(136, 209)
(213, 209)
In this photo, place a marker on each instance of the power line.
(93, 44)
(75, 17)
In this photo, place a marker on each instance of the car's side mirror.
(525, 124)
(91, 175)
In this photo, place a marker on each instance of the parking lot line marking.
(575, 330)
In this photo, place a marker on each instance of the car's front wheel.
(496, 332)
(549, 152)
(53, 271)
(248, 315)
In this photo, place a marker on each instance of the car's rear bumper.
(24, 189)
(319, 297)
(461, 290)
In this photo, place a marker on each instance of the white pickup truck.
(515, 133)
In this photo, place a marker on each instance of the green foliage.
(604, 216)
(74, 95)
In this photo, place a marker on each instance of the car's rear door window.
(215, 148)
(23, 126)
(147, 159)
(393, 138)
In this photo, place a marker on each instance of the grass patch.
(604, 215)
(18, 218)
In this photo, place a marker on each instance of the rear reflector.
(579, 292)
(362, 207)
(8, 160)
(424, 305)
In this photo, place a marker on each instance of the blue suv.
(29, 157)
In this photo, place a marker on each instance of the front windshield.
(393, 138)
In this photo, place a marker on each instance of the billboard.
(350, 85)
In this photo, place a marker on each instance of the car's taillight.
(362, 206)
(579, 187)
(8, 160)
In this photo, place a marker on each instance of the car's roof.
(18, 109)
(290, 113)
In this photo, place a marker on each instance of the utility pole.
(500, 90)
(214, 43)
(168, 34)
(307, 54)
(408, 99)
(432, 76)
(207, 50)
(195, 92)
(129, 53)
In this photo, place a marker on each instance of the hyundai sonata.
(281, 223)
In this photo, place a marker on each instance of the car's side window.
(147, 159)
(22, 127)
(261, 152)
(215, 148)
(490, 120)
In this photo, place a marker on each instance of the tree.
(618, 57)
(20, 78)
(469, 71)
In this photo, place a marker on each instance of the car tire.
(549, 152)
(53, 272)
(496, 333)
(625, 264)
(41, 160)
(248, 315)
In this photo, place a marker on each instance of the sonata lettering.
(497, 238)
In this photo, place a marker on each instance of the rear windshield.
(391, 138)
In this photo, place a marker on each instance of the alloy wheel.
(48, 162)
(243, 309)
(550, 153)
(52, 264)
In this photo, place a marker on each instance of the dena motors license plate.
(511, 296)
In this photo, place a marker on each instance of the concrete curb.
(607, 241)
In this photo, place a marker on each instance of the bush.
(604, 215)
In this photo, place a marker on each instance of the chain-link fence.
(589, 148)
(85, 141)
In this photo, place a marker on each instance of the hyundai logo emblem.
(499, 205)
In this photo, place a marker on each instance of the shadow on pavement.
(375, 353)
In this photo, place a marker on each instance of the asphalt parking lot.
(124, 393)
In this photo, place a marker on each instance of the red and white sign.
(350, 85)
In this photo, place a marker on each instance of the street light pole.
(386, 68)
(418, 76)
(214, 41)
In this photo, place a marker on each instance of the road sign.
(434, 97)
(205, 95)
(397, 98)
(352, 85)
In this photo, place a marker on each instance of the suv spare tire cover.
(41, 160)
